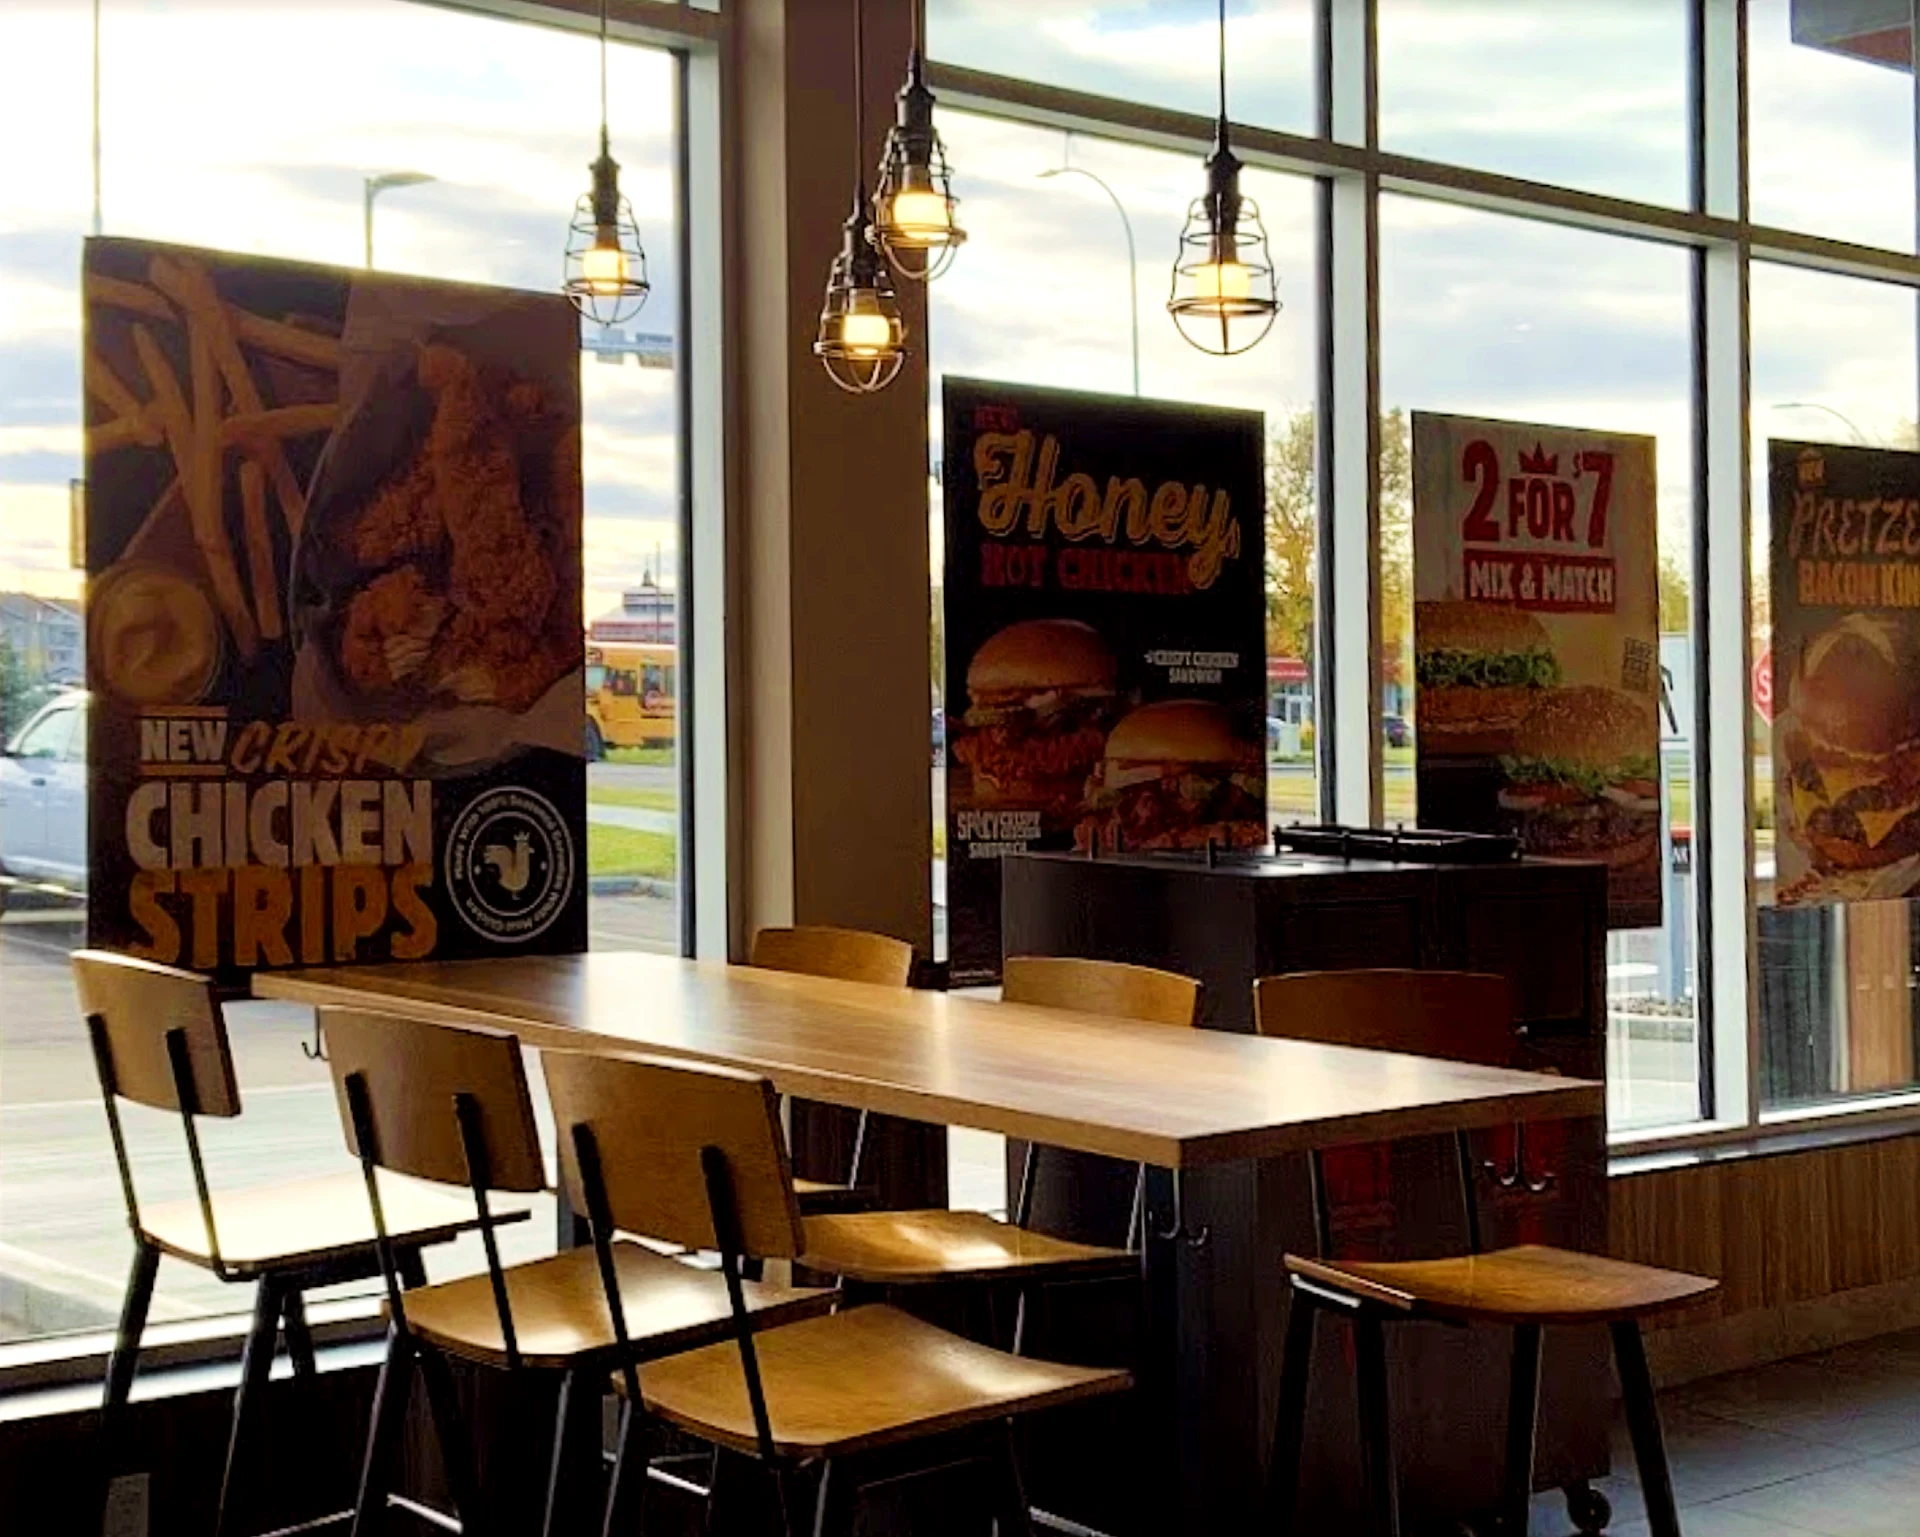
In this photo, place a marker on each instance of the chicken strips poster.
(1536, 645)
(333, 614)
(1105, 636)
(1846, 672)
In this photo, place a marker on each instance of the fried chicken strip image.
(401, 522)
(391, 625)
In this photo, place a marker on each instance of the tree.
(1396, 547)
(1291, 536)
(16, 691)
(1676, 593)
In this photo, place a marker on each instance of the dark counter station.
(1228, 920)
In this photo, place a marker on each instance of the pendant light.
(913, 211)
(1224, 294)
(862, 340)
(606, 264)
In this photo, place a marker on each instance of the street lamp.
(1814, 405)
(1133, 265)
(373, 186)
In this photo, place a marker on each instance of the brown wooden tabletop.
(1174, 1098)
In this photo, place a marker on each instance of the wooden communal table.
(1174, 1099)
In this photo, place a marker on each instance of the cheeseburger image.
(1852, 748)
(1174, 775)
(1041, 695)
(1479, 667)
(1582, 781)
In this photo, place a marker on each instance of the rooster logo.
(512, 867)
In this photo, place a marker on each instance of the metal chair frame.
(279, 1306)
(1309, 1299)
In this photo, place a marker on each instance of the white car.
(43, 796)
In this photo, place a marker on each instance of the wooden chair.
(845, 955)
(1463, 1017)
(160, 1040)
(450, 1105)
(694, 1155)
(895, 1248)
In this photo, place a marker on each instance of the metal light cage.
(858, 285)
(603, 222)
(1223, 228)
(914, 163)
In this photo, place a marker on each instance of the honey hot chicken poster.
(1846, 671)
(1105, 635)
(333, 614)
(1536, 645)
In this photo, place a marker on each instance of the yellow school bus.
(630, 696)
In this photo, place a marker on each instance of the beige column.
(829, 523)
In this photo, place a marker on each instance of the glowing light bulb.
(920, 216)
(604, 266)
(1222, 282)
(864, 331)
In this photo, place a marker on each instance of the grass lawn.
(660, 756)
(629, 851)
(623, 795)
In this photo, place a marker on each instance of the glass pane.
(504, 118)
(1484, 315)
(1833, 362)
(1163, 53)
(1042, 294)
(1587, 96)
(1830, 119)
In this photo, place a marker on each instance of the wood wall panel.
(1812, 1249)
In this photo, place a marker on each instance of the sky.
(250, 128)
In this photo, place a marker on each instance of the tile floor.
(1828, 1444)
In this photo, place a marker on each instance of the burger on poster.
(1851, 753)
(1176, 775)
(1479, 669)
(1582, 778)
(1040, 698)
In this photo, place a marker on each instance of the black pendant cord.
(1223, 67)
(859, 91)
(603, 70)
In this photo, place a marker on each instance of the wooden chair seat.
(895, 1248)
(1528, 1284)
(560, 1314)
(856, 1380)
(308, 1224)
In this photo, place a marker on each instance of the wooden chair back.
(414, 1074)
(655, 1128)
(1101, 987)
(847, 955)
(139, 1004)
(1457, 1016)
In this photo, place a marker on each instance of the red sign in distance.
(1763, 684)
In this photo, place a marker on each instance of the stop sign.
(1763, 684)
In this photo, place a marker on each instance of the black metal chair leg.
(1379, 1470)
(133, 1324)
(1290, 1420)
(293, 1322)
(256, 1363)
(1643, 1425)
(1012, 1516)
(456, 1444)
(833, 1510)
(1523, 1414)
(576, 1460)
(627, 1484)
(384, 1429)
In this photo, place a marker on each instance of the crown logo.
(1539, 462)
(1812, 467)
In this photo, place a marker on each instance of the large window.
(256, 129)
(1483, 315)
(1643, 286)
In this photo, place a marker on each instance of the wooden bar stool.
(900, 1248)
(450, 1105)
(160, 1040)
(694, 1155)
(846, 955)
(1462, 1017)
